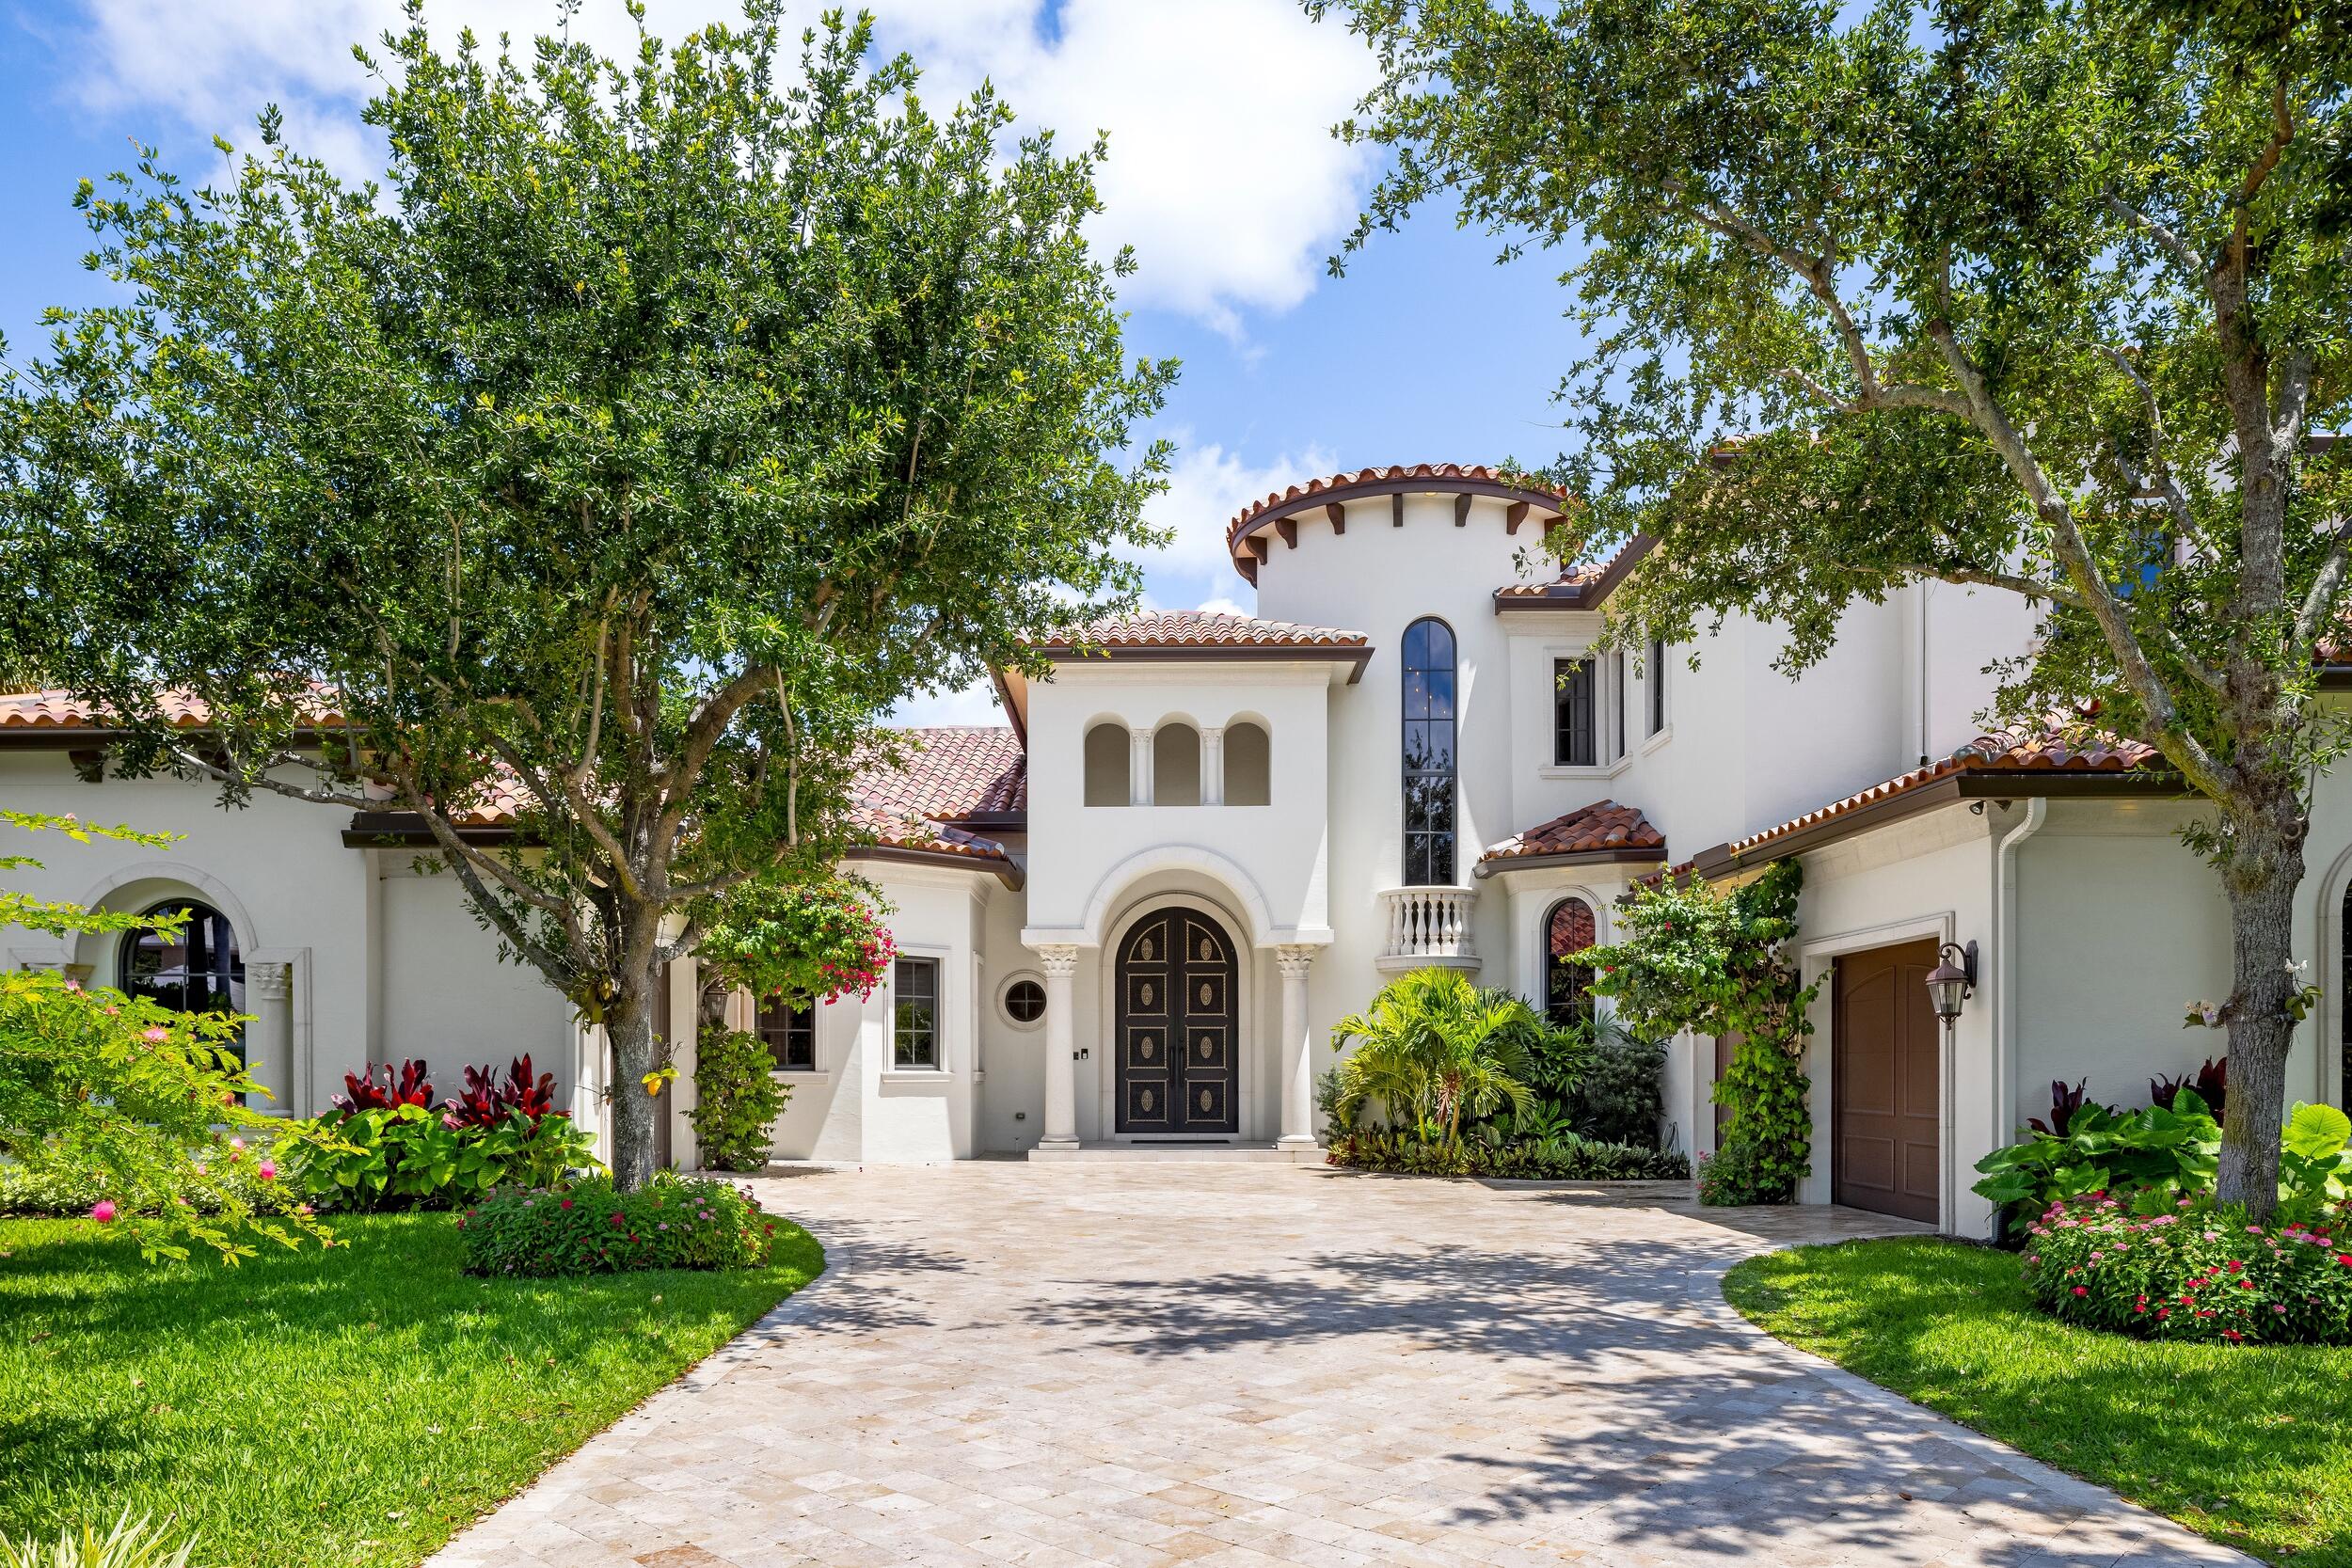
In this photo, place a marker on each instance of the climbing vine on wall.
(1720, 963)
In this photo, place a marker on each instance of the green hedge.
(672, 1222)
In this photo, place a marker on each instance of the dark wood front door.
(1176, 1027)
(1885, 1097)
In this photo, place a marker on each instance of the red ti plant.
(2212, 1084)
(376, 1089)
(486, 1100)
(2064, 1103)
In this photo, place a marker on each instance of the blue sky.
(1222, 176)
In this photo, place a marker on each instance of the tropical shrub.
(1434, 1051)
(1720, 963)
(2160, 1155)
(795, 944)
(672, 1222)
(487, 1099)
(1734, 1177)
(2188, 1269)
(2065, 1101)
(1560, 1156)
(130, 1543)
(736, 1099)
(1620, 1092)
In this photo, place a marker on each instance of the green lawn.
(356, 1406)
(2251, 1446)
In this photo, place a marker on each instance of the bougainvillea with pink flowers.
(794, 944)
(2193, 1271)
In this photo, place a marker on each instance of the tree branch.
(2168, 241)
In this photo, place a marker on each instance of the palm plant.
(1437, 1049)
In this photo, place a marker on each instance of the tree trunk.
(2262, 870)
(629, 1025)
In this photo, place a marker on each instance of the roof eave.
(1497, 865)
(1584, 595)
(1965, 784)
(1245, 561)
(1354, 655)
(1001, 868)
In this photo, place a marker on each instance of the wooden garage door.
(1884, 1093)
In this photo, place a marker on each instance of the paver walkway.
(1227, 1364)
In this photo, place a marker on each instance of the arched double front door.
(1177, 1067)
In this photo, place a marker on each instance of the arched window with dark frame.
(196, 969)
(1429, 737)
(1570, 930)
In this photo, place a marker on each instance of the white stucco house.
(1128, 919)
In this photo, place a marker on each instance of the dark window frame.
(200, 944)
(1022, 983)
(1575, 712)
(1657, 673)
(1431, 774)
(1568, 986)
(915, 1037)
(791, 1035)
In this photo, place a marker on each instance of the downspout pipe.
(2005, 989)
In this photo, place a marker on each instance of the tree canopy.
(651, 429)
(2047, 296)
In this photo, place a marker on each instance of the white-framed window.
(1654, 675)
(791, 1035)
(915, 1043)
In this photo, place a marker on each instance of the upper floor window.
(1429, 735)
(791, 1035)
(1249, 765)
(915, 1013)
(1575, 716)
(1619, 704)
(1107, 752)
(1569, 929)
(1655, 676)
(1176, 764)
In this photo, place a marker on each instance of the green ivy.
(735, 1098)
(1717, 962)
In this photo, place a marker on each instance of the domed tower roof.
(1335, 497)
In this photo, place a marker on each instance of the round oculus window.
(1025, 1001)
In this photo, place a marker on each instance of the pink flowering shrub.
(799, 942)
(672, 1222)
(2189, 1269)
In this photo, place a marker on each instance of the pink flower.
(2082, 1290)
(236, 1143)
(266, 1170)
(156, 1035)
(103, 1211)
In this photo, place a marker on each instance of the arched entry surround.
(278, 978)
(2333, 972)
(1248, 1045)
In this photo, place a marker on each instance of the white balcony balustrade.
(1428, 925)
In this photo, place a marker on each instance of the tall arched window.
(1428, 754)
(196, 969)
(1248, 764)
(2343, 1009)
(1569, 929)
(1106, 765)
(1176, 764)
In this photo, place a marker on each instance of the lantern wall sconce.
(1954, 979)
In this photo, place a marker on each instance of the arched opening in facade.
(1106, 748)
(1570, 930)
(195, 969)
(1248, 764)
(1176, 764)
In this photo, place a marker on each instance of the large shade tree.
(651, 429)
(2043, 295)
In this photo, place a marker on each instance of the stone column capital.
(270, 982)
(1056, 959)
(1296, 958)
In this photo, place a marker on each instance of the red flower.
(2082, 1290)
(567, 1203)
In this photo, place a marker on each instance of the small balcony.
(1427, 925)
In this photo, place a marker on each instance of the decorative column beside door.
(1299, 1086)
(269, 1039)
(1059, 961)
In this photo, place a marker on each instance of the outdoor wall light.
(1954, 979)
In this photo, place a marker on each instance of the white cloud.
(1222, 173)
(974, 704)
(1207, 486)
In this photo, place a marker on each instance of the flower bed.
(2197, 1272)
(672, 1222)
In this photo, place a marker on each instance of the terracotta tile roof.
(55, 711)
(1603, 828)
(1332, 485)
(1582, 586)
(1198, 628)
(949, 772)
(2063, 743)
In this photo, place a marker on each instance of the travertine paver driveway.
(1215, 1365)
